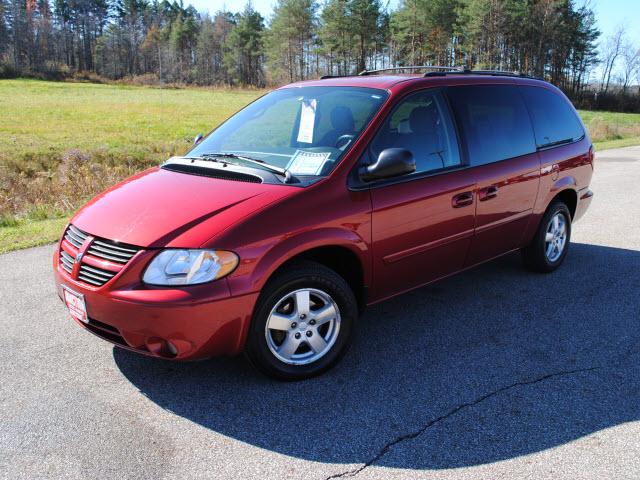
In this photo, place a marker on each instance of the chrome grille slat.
(67, 261)
(97, 278)
(109, 250)
(107, 256)
(132, 251)
(84, 278)
(98, 271)
(73, 240)
(75, 236)
(99, 249)
(78, 232)
(68, 264)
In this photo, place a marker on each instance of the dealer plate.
(76, 304)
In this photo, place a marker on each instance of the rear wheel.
(303, 322)
(550, 244)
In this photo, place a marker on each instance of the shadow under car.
(488, 365)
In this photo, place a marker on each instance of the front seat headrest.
(423, 119)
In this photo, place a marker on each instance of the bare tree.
(610, 53)
(630, 64)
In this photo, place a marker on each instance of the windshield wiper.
(255, 161)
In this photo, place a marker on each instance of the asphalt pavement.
(493, 373)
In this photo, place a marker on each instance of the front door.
(423, 223)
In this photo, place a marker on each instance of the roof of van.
(388, 81)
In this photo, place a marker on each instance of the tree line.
(168, 42)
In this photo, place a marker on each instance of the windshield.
(305, 130)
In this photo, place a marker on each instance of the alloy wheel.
(303, 326)
(556, 237)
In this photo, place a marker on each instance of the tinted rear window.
(553, 119)
(494, 120)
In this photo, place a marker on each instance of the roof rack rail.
(439, 71)
(437, 68)
(466, 71)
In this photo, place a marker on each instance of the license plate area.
(76, 304)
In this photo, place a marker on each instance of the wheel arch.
(565, 190)
(569, 197)
(342, 250)
(342, 260)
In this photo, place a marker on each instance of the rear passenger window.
(494, 120)
(554, 121)
(421, 124)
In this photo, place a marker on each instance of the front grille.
(102, 260)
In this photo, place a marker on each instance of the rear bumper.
(584, 200)
(200, 321)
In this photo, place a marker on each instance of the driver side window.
(421, 124)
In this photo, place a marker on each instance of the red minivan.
(322, 197)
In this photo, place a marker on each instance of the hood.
(160, 208)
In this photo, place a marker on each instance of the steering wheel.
(344, 139)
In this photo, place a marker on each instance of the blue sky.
(609, 13)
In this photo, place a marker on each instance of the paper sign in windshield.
(307, 120)
(307, 163)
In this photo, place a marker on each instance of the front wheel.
(550, 244)
(303, 322)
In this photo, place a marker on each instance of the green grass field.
(41, 118)
(61, 143)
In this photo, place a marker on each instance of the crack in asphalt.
(416, 433)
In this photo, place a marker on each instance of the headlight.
(189, 267)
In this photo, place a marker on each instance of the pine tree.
(290, 38)
(4, 31)
(409, 27)
(245, 48)
(364, 16)
(130, 20)
(336, 36)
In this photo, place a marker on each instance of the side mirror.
(392, 162)
(198, 139)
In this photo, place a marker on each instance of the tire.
(301, 342)
(542, 254)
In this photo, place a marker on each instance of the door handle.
(462, 199)
(488, 193)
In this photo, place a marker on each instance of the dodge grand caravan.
(322, 197)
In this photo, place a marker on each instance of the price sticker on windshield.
(307, 120)
(307, 163)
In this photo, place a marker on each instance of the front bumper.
(201, 321)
